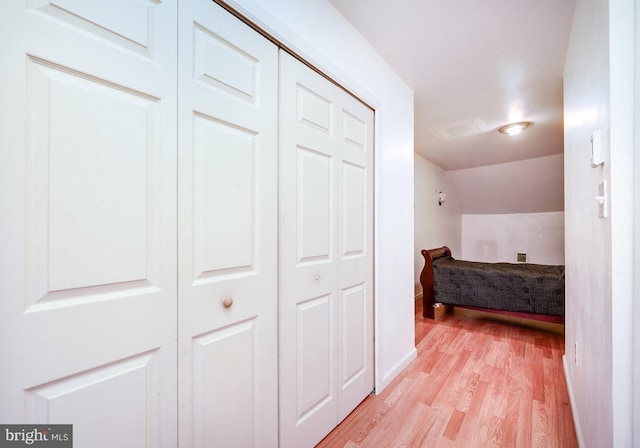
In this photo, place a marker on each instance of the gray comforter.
(525, 288)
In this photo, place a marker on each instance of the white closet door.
(227, 231)
(326, 254)
(88, 228)
(355, 253)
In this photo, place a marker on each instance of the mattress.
(522, 287)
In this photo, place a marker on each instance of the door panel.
(325, 257)
(131, 386)
(93, 211)
(134, 26)
(314, 207)
(354, 206)
(224, 209)
(354, 333)
(315, 376)
(89, 219)
(224, 366)
(227, 187)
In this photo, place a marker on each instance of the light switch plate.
(602, 199)
(596, 148)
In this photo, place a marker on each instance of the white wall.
(634, 296)
(497, 238)
(598, 251)
(315, 30)
(435, 225)
(527, 186)
(623, 60)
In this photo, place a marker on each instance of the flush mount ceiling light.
(515, 128)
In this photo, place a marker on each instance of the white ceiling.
(474, 66)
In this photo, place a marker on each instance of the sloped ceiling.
(474, 66)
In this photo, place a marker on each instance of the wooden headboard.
(426, 279)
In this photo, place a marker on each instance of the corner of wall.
(572, 402)
(389, 376)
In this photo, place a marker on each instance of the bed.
(532, 291)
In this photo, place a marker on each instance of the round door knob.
(227, 302)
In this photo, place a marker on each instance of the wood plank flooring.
(479, 381)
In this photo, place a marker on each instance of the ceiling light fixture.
(515, 128)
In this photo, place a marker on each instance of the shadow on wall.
(487, 250)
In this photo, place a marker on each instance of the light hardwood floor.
(479, 381)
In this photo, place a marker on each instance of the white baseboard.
(395, 371)
(572, 401)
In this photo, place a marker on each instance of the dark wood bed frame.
(428, 293)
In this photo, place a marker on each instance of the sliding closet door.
(326, 254)
(88, 227)
(227, 231)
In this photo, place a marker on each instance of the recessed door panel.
(225, 207)
(224, 386)
(353, 344)
(87, 398)
(354, 130)
(314, 110)
(93, 208)
(239, 76)
(134, 25)
(354, 210)
(314, 191)
(315, 371)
